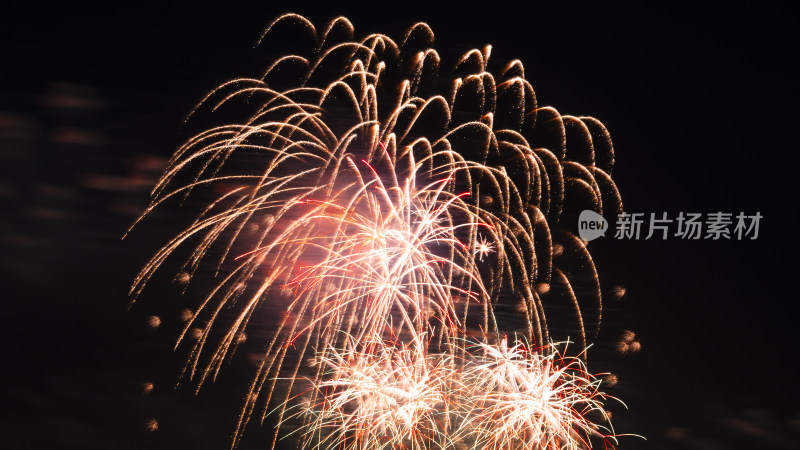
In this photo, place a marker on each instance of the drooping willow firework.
(375, 200)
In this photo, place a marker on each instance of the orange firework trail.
(389, 212)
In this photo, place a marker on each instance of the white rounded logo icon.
(591, 225)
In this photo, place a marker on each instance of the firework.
(154, 322)
(523, 399)
(151, 425)
(147, 388)
(388, 397)
(628, 343)
(391, 205)
(494, 396)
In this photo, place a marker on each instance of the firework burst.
(523, 399)
(494, 396)
(391, 210)
(387, 397)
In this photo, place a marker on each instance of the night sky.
(701, 106)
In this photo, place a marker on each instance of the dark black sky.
(701, 104)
